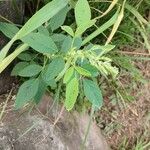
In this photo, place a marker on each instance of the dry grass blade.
(111, 6)
(5, 105)
(143, 33)
(116, 25)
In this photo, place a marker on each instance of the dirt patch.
(125, 127)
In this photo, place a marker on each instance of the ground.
(128, 128)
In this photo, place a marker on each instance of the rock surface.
(35, 132)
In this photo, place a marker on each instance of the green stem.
(12, 56)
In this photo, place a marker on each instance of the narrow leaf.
(83, 71)
(68, 75)
(43, 15)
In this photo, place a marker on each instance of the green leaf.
(58, 37)
(41, 16)
(25, 56)
(43, 30)
(68, 75)
(83, 71)
(41, 90)
(53, 69)
(82, 28)
(101, 29)
(68, 30)
(82, 12)
(93, 70)
(30, 70)
(103, 49)
(18, 68)
(72, 91)
(58, 19)
(41, 43)
(77, 42)
(93, 93)
(26, 92)
(8, 29)
(66, 46)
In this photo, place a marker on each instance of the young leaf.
(68, 30)
(82, 12)
(67, 43)
(58, 19)
(53, 69)
(30, 70)
(26, 92)
(68, 75)
(41, 43)
(77, 42)
(83, 71)
(72, 91)
(93, 93)
(18, 68)
(93, 70)
(8, 29)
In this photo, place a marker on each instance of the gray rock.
(35, 132)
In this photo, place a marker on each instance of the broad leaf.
(18, 68)
(41, 90)
(43, 30)
(58, 19)
(26, 92)
(53, 69)
(8, 29)
(26, 56)
(68, 30)
(82, 12)
(67, 43)
(41, 43)
(72, 91)
(58, 37)
(93, 93)
(30, 70)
